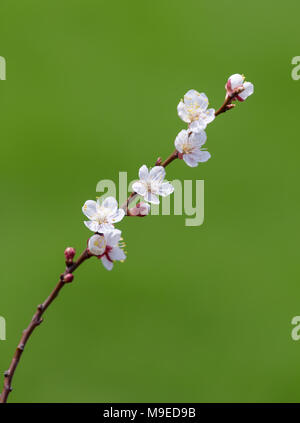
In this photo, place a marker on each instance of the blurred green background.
(195, 313)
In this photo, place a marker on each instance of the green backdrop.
(195, 313)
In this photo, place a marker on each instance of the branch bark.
(36, 320)
(71, 266)
(227, 105)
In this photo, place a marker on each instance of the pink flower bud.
(68, 277)
(70, 253)
(143, 208)
(237, 82)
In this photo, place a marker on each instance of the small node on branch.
(68, 277)
(158, 162)
(6, 373)
(40, 307)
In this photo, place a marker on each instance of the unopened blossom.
(193, 110)
(103, 215)
(152, 184)
(144, 208)
(97, 245)
(238, 81)
(189, 147)
(141, 209)
(107, 248)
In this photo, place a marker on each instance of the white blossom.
(237, 81)
(151, 184)
(193, 110)
(103, 215)
(107, 248)
(189, 147)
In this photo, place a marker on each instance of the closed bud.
(70, 253)
(68, 277)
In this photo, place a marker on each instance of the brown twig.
(66, 277)
(71, 266)
(227, 105)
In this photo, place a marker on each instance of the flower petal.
(92, 225)
(157, 173)
(97, 245)
(197, 125)
(104, 227)
(193, 98)
(209, 115)
(151, 198)
(204, 156)
(236, 80)
(107, 263)
(188, 158)
(117, 216)
(181, 138)
(143, 173)
(139, 188)
(166, 189)
(110, 203)
(199, 138)
(183, 112)
(113, 237)
(90, 208)
(117, 254)
(248, 90)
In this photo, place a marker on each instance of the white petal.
(97, 245)
(143, 173)
(139, 188)
(113, 237)
(166, 189)
(181, 138)
(104, 227)
(249, 89)
(236, 81)
(117, 216)
(157, 173)
(151, 198)
(110, 203)
(193, 98)
(182, 112)
(92, 225)
(117, 254)
(204, 156)
(199, 138)
(107, 263)
(209, 115)
(197, 125)
(189, 160)
(90, 208)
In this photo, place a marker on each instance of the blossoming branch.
(106, 242)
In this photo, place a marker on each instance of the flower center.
(187, 148)
(193, 111)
